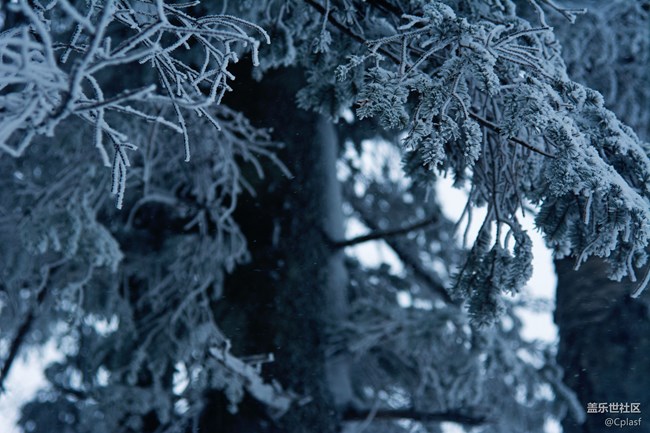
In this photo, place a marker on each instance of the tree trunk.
(295, 284)
(604, 343)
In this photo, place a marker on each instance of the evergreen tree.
(603, 333)
(192, 264)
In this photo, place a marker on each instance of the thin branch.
(382, 234)
(409, 260)
(372, 413)
(486, 123)
(26, 326)
(568, 13)
(16, 343)
(387, 6)
(415, 415)
(642, 286)
(321, 9)
(76, 393)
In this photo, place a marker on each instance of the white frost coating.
(270, 394)
(45, 92)
(641, 287)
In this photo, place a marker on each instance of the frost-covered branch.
(40, 91)
(569, 13)
(271, 394)
(345, 29)
(462, 89)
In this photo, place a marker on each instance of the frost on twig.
(46, 75)
(271, 394)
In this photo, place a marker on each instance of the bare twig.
(332, 20)
(410, 261)
(486, 123)
(383, 234)
(26, 326)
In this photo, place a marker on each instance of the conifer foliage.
(122, 168)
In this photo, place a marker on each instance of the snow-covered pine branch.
(490, 101)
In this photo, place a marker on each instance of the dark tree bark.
(604, 343)
(295, 284)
